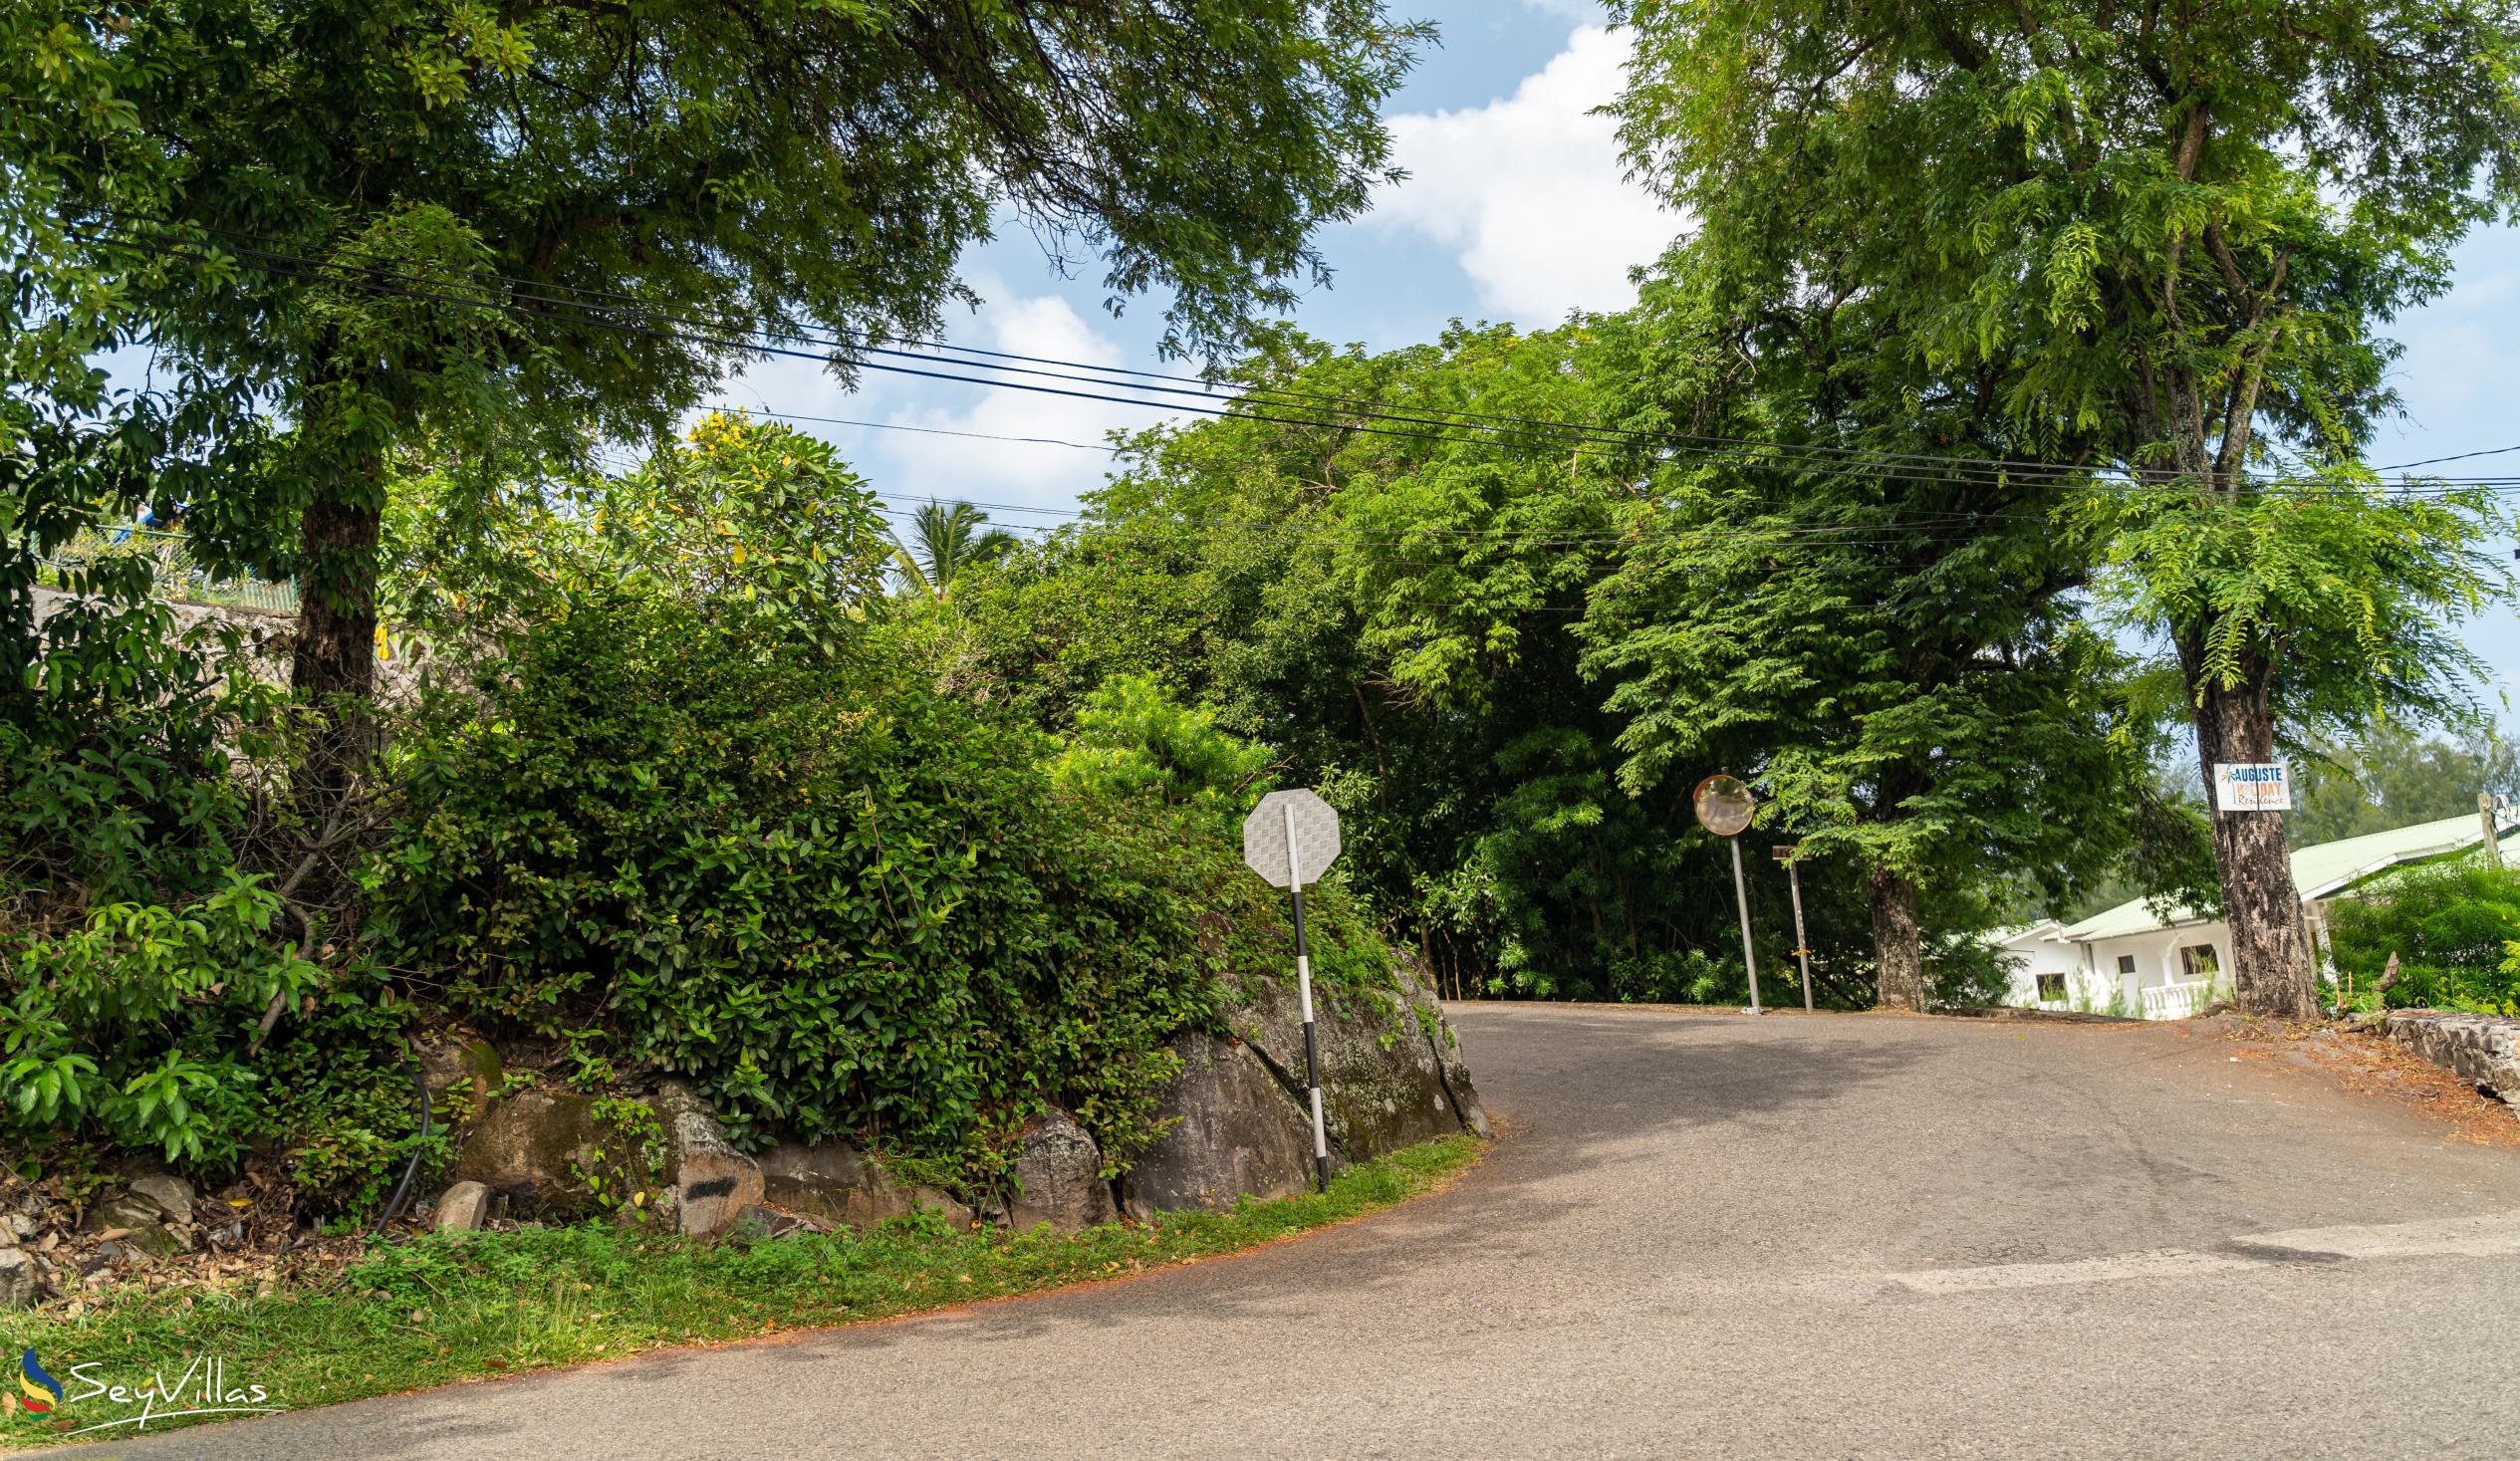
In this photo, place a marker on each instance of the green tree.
(517, 225)
(1897, 663)
(945, 539)
(2161, 241)
(2390, 777)
(1386, 608)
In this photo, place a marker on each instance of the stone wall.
(269, 640)
(2484, 1049)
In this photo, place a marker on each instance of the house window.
(2126, 963)
(2051, 989)
(2197, 961)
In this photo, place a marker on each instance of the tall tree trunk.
(335, 663)
(1898, 951)
(2270, 950)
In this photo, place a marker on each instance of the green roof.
(2318, 872)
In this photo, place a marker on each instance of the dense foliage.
(672, 792)
(157, 914)
(407, 222)
(2154, 248)
(2451, 926)
(719, 826)
(1508, 659)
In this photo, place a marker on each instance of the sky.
(1515, 209)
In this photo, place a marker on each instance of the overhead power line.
(545, 301)
(2454, 457)
(915, 348)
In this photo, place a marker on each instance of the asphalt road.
(1701, 1235)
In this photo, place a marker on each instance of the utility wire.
(2455, 457)
(553, 292)
(903, 346)
(1962, 471)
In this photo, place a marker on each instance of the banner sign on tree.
(2242, 785)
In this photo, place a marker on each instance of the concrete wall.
(268, 637)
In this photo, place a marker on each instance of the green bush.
(138, 953)
(2448, 922)
(841, 902)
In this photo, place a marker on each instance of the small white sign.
(2245, 786)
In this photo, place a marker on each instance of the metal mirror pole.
(1802, 941)
(1741, 900)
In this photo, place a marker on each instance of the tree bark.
(1898, 951)
(2270, 949)
(334, 666)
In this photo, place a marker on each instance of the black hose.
(420, 1148)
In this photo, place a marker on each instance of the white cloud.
(1528, 191)
(1022, 472)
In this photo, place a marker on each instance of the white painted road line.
(2493, 1235)
(2167, 1262)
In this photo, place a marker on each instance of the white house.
(2130, 960)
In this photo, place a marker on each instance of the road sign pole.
(1741, 899)
(1802, 943)
(1303, 986)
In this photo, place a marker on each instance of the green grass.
(446, 1307)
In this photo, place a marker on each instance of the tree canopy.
(518, 226)
(2159, 244)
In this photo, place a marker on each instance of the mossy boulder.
(562, 1155)
(470, 1066)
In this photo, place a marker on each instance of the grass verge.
(455, 1307)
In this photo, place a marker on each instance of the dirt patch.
(2368, 1064)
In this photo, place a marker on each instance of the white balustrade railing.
(2176, 1001)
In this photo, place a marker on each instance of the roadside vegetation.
(2454, 929)
(1996, 436)
(442, 1308)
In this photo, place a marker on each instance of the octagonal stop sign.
(1310, 822)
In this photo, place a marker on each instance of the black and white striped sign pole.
(1303, 986)
(1290, 837)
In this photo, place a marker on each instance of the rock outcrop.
(171, 1195)
(1059, 1177)
(837, 1182)
(1392, 1075)
(469, 1066)
(1236, 1133)
(1238, 1115)
(712, 1183)
(543, 1152)
(1382, 1062)
(135, 1223)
